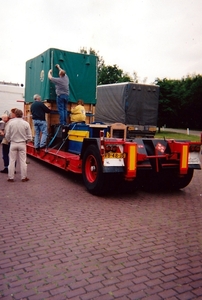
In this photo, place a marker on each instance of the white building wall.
(11, 96)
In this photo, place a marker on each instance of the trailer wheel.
(168, 180)
(182, 182)
(93, 176)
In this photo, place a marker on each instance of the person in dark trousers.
(5, 143)
(62, 92)
(38, 111)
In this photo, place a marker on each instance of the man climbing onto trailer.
(62, 92)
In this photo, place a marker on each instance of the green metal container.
(80, 68)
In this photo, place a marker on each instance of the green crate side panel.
(80, 68)
(36, 81)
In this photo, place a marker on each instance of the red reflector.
(194, 148)
(108, 148)
(114, 148)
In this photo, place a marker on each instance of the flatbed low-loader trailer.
(107, 153)
(103, 160)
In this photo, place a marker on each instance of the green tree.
(112, 74)
(193, 109)
(166, 111)
(108, 74)
(180, 103)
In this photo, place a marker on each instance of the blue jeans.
(40, 127)
(62, 102)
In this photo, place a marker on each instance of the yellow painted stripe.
(77, 135)
(132, 158)
(76, 138)
(79, 132)
(184, 156)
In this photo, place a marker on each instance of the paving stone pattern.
(59, 242)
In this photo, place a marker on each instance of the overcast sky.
(155, 38)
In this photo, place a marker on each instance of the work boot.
(25, 179)
(5, 170)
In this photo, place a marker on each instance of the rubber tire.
(165, 181)
(182, 182)
(93, 176)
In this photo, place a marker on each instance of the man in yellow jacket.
(78, 113)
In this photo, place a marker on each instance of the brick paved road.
(60, 242)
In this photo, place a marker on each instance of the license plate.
(194, 158)
(114, 155)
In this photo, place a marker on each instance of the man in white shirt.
(18, 134)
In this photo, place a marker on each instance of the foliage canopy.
(180, 101)
(108, 74)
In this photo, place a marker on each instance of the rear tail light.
(114, 148)
(194, 148)
(111, 148)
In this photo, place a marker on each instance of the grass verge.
(177, 136)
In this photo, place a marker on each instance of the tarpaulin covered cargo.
(80, 68)
(128, 103)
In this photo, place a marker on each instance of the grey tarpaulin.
(128, 103)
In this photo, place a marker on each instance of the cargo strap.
(52, 140)
(64, 140)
